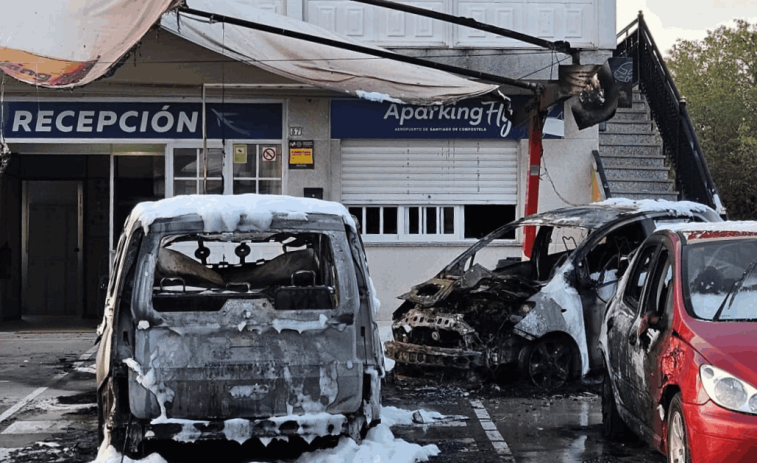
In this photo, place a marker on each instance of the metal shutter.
(429, 171)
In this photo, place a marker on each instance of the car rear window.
(200, 272)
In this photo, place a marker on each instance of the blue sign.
(142, 120)
(465, 119)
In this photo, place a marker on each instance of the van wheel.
(547, 362)
(678, 444)
(613, 426)
(106, 407)
(357, 427)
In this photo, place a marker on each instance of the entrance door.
(52, 248)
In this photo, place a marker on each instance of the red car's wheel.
(678, 445)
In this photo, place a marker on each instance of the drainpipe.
(535, 150)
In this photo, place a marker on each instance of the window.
(201, 272)
(641, 270)
(187, 171)
(233, 168)
(431, 223)
(257, 168)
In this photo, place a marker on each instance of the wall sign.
(466, 119)
(301, 154)
(240, 154)
(63, 120)
(268, 153)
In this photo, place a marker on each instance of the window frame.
(457, 236)
(227, 170)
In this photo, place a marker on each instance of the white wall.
(566, 181)
(586, 24)
(395, 269)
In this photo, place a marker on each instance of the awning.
(358, 74)
(69, 43)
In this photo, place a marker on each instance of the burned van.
(238, 317)
(540, 316)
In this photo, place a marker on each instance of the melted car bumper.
(414, 354)
(720, 435)
(307, 427)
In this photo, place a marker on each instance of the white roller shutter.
(429, 172)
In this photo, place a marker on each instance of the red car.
(679, 342)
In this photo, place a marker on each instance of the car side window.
(660, 285)
(639, 275)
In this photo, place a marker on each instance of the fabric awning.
(69, 43)
(358, 74)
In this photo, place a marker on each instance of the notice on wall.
(240, 154)
(301, 154)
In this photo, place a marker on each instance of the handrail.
(602, 174)
(680, 142)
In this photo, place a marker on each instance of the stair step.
(623, 127)
(636, 105)
(629, 115)
(637, 173)
(653, 150)
(633, 162)
(642, 138)
(637, 195)
(642, 186)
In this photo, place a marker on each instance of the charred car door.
(649, 333)
(621, 324)
(598, 269)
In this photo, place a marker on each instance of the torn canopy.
(82, 39)
(332, 68)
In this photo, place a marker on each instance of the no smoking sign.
(269, 153)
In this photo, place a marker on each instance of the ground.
(485, 422)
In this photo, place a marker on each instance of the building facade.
(175, 118)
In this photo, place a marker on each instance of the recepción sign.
(141, 120)
(465, 119)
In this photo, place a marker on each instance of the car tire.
(613, 425)
(357, 427)
(678, 442)
(548, 362)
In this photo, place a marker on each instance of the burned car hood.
(592, 216)
(477, 279)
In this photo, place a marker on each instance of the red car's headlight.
(728, 391)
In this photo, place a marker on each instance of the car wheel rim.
(549, 364)
(677, 440)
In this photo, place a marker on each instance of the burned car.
(540, 316)
(678, 344)
(238, 317)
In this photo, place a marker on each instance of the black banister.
(680, 142)
(602, 174)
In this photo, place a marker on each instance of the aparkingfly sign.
(96, 120)
(465, 119)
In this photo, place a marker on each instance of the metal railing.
(680, 142)
(600, 168)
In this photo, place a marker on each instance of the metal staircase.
(630, 148)
(633, 139)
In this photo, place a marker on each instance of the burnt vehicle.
(540, 316)
(238, 317)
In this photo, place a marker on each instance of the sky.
(684, 19)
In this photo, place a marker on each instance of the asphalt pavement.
(48, 412)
